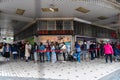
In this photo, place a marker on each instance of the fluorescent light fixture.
(20, 11)
(83, 10)
(51, 9)
(81, 20)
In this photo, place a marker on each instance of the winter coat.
(42, 48)
(5, 49)
(34, 48)
(116, 51)
(27, 50)
(108, 49)
(78, 48)
(14, 49)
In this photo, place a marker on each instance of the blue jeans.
(84, 52)
(78, 56)
(92, 55)
(35, 56)
(54, 57)
(48, 56)
(15, 56)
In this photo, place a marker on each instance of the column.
(118, 31)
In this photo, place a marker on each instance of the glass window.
(59, 25)
(67, 25)
(87, 30)
(51, 25)
(94, 31)
(43, 25)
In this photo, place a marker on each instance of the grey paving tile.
(113, 76)
(24, 78)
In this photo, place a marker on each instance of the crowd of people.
(52, 51)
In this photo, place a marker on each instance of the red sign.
(55, 32)
(113, 34)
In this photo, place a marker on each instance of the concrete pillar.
(118, 33)
(72, 43)
(38, 8)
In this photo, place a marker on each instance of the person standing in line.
(22, 50)
(1, 49)
(108, 51)
(98, 50)
(57, 50)
(78, 51)
(92, 51)
(95, 49)
(35, 48)
(116, 53)
(53, 52)
(84, 50)
(48, 51)
(7, 51)
(64, 50)
(14, 50)
(68, 50)
(101, 49)
(41, 52)
(27, 51)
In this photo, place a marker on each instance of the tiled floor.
(86, 70)
(113, 76)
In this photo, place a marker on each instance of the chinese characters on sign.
(113, 35)
(55, 32)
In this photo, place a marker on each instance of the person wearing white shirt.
(27, 51)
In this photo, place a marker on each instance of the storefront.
(89, 32)
(82, 39)
(106, 40)
(56, 36)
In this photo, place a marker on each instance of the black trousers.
(98, 53)
(64, 56)
(22, 54)
(101, 52)
(41, 57)
(57, 53)
(7, 54)
(106, 57)
(92, 55)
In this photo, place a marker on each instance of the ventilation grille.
(2, 1)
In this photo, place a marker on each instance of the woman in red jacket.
(108, 51)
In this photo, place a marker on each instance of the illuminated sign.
(55, 32)
(113, 35)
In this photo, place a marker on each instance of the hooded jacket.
(108, 49)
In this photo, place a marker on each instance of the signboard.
(113, 35)
(55, 32)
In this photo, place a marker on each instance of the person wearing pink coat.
(108, 51)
